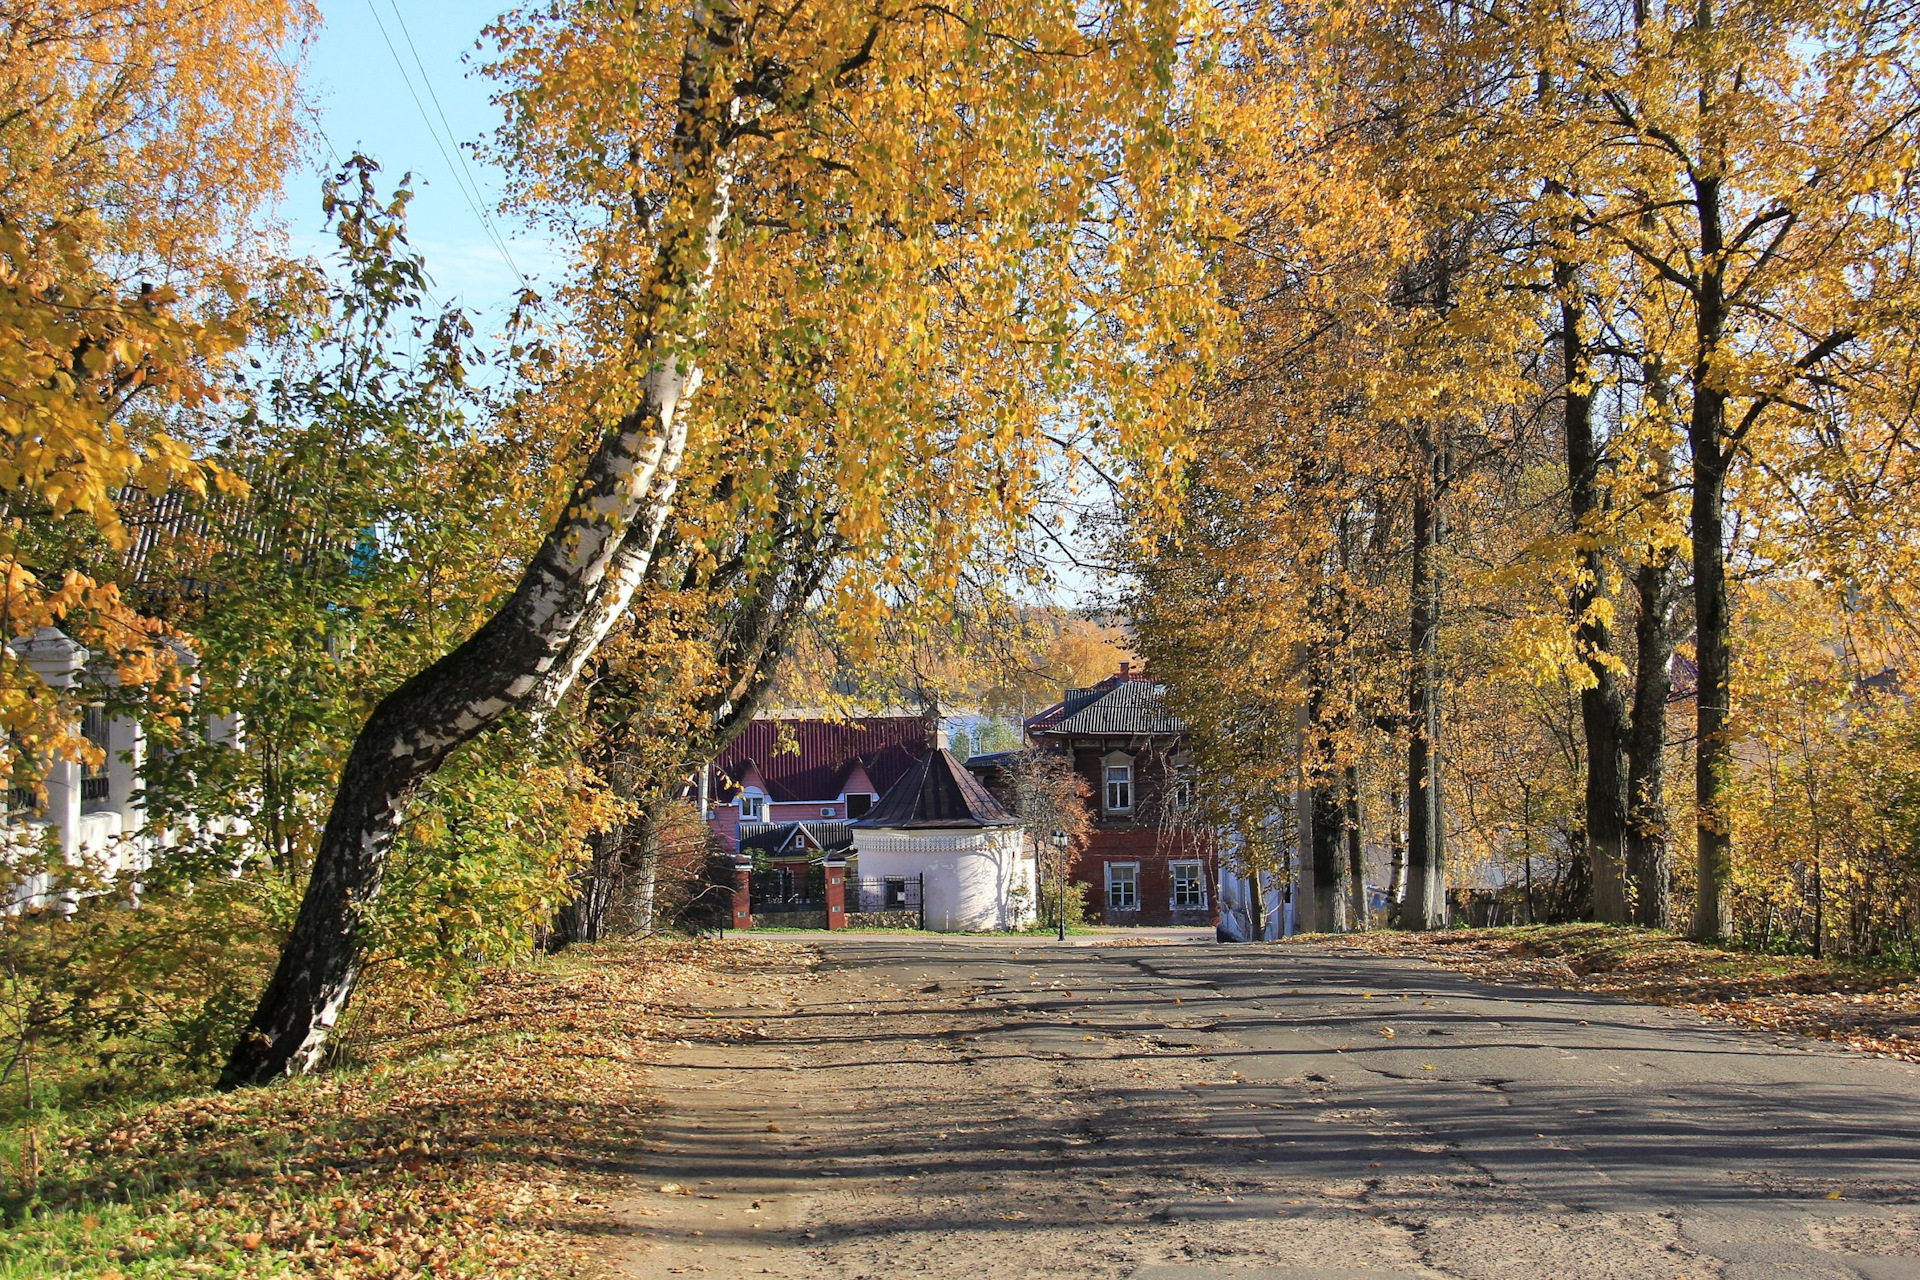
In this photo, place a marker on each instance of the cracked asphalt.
(1016, 1108)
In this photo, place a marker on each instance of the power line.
(471, 197)
(472, 181)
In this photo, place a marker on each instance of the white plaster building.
(96, 815)
(938, 827)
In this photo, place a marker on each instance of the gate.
(799, 887)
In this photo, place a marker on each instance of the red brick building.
(781, 771)
(1145, 862)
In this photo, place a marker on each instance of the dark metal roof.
(1124, 708)
(1074, 701)
(809, 760)
(796, 837)
(938, 792)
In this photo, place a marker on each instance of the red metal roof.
(807, 760)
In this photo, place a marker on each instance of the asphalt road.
(990, 1108)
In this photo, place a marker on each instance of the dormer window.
(1119, 788)
(753, 806)
(858, 804)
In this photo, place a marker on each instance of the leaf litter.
(486, 1140)
(1869, 1010)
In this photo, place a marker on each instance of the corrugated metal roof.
(1074, 701)
(808, 760)
(938, 792)
(1128, 708)
(796, 837)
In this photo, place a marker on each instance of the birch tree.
(963, 207)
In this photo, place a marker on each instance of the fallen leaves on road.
(1869, 1010)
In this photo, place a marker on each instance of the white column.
(225, 731)
(58, 660)
(126, 753)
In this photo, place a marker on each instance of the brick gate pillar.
(742, 893)
(836, 893)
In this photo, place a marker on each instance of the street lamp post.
(1060, 843)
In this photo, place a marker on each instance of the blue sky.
(366, 99)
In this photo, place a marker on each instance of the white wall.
(976, 879)
(1236, 907)
(104, 833)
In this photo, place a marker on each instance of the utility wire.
(473, 202)
(472, 182)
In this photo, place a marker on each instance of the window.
(1119, 788)
(1123, 885)
(857, 805)
(1183, 794)
(94, 785)
(753, 808)
(1189, 886)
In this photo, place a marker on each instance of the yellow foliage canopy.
(959, 248)
(138, 140)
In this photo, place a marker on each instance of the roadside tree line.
(1551, 529)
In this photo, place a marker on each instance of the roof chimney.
(1126, 671)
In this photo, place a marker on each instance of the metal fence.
(795, 888)
(871, 894)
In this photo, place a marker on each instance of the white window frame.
(1132, 883)
(1199, 876)
(753, 807)
(1109, 765)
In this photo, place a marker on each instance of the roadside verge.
(1871, 1010)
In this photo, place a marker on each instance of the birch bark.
(547, 626)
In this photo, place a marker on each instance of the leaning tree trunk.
(751, 634)
(414, 728)
(1602, 706)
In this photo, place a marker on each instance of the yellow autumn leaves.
(136, 141)
(950, 250)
